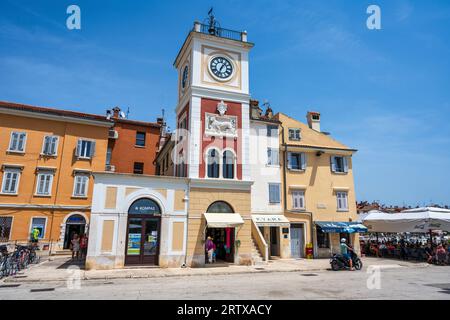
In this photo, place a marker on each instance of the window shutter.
(92, 149)
(55, 145)
(275, 157)
(271, 194)
(303, 158)
(333, 163)
(345, 164)
(46, 145)
(21, 143)
(78, 150)
(13, 143)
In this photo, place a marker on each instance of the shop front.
(329, 235)
(224, 216)
(143, 233)
(275, 230)
(137, 221)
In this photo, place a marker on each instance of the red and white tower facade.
(213, 104)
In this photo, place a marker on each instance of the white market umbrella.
(420, 220)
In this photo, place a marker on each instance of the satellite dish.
(122, 114)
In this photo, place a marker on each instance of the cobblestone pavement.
(398, 280)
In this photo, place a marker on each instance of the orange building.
(133, 145)
(46, 160)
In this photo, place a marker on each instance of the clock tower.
(213, 104)
(212, 141)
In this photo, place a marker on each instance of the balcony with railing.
(220, 32)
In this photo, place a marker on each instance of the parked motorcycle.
(339, 262)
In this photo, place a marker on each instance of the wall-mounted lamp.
(319, 153)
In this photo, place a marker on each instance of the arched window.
(228, 165)
(76, 219)
(213, 162)
(144, 206)
(220, 207)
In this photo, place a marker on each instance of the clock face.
(221, 67)
(185, 77)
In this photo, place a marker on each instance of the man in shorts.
(345, 251)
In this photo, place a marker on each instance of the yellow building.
(46, 160)
(318, 187)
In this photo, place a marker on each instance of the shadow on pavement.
(79, 263)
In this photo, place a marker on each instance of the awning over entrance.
(345, 227)
(223, 220)
(270, 220)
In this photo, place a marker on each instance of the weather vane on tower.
(213, 25)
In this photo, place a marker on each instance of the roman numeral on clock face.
(221, 67)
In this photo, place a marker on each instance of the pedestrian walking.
(75, 245)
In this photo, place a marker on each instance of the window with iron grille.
(5, 228)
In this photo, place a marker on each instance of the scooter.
(339, 262)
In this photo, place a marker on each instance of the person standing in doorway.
(75, 243)
(210, 247)
(83, 245)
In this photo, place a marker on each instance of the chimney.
(313, 120)
(116, 112)
(256, 111)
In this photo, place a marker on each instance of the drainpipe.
(188, 193)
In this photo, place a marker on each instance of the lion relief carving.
(220, 125)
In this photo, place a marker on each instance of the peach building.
(47, 157)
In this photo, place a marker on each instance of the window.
(272, 157)
(294, 134)
(38, 223)
(44, 183)
(342, 201)
(213, 163)
(228, 165)
(182, 127)
(220, 207)
(140, 139)
(85, 149)
(272, 131)
(296, 161)
(11, 177)
(138, 168)
(339, 164)
(274, 193)
(323, 239)
(5, 228)
(81, 185)
(298, 200)
(50, 146)
(17, 142)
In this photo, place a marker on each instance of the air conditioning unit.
(113, 134)
(110, 168)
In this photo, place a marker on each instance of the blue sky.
(385, 93)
